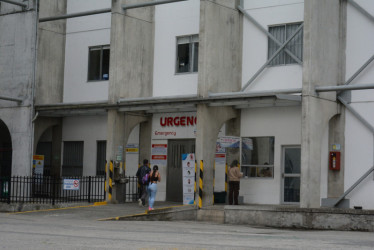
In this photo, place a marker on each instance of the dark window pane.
(292, 161)
(94, 65)
(183, 58)
(196, 57)
(292, 189)
(105, 69)
(100, 158)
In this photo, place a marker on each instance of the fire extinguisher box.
(334, 161)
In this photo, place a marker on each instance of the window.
(295, 46)
(98, 63)
(258, 157)
(72, 163)
(187, 54)
(100, 157)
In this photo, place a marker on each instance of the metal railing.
(132, 189)
(49, 189)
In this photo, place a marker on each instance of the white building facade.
(215, 78)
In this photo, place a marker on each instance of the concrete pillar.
(145, 140)
(51, 53)
(323, 53)
(131, 71)
(220, 56)
(210, 121)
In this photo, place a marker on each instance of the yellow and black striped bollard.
(201, 184)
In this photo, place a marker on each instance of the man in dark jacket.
(142, 171)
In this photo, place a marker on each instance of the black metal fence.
(132, 189)
(49, 189)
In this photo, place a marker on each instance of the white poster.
(188, 167)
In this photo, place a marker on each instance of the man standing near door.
(142, 171)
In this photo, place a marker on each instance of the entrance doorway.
(174, 183)
(291, 174)
(5, 151)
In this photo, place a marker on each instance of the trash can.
(219, 197)
(121, 190)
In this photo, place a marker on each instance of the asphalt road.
(79, 228)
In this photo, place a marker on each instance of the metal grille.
(100, 158)
(282, 33)
(73, 159)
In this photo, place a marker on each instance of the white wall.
(285, 125)
(81, 33)
(88, 129)
(359, 141)
(255, 44)
(172, 20)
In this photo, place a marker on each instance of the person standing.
(142, 171)
(154, 178)
(234, 175)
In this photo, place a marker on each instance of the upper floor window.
(282, 33)
(98, 63)
(187, 54)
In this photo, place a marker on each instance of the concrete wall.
(89, 129)
(17, 57)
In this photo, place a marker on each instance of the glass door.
(291, 174)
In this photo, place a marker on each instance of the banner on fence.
(71, 184)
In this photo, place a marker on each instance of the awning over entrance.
(186, 103)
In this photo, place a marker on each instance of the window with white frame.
(257, 157)
(282, 33)
(98, 63)
(187, 54)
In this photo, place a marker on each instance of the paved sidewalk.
(86, 211)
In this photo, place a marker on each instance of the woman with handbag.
(152, 188)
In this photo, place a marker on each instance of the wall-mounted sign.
(38, 164)
(174, 126)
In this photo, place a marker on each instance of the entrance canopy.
(187, 103)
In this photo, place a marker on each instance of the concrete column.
(131, 70)
(145, 140)
(220, 56)
(210, 121)
(51, 53)
(323, 52)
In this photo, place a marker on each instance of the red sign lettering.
(178, 121)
